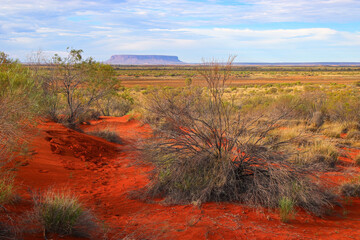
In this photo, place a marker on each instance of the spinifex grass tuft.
(61, 212)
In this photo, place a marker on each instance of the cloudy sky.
(254, 30)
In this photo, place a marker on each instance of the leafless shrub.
(204, 149)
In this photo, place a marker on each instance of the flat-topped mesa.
(143, 60)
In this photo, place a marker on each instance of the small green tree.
(80, 82)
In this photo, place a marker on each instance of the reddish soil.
(103, 173)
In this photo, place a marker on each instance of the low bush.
(116, 104)
(62, 213)
(108, 135)
(351, 189)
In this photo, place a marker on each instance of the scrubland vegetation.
(259, 145)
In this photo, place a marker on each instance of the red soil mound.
(103, 173)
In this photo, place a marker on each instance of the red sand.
(103, 173)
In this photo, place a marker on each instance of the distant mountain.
(143, 60)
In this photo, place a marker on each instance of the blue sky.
(255, 31)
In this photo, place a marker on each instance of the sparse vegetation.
(237, 136)
(205, 149)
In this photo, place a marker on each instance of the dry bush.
(351, 189)
(108, 135)
(116, 104)
(205, 149)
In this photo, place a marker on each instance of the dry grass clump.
(334, 129)
(294, 134)
(205, 149)
(319, 154)
(353, 135)
(61, 212)
(351, 189)
(108, 135)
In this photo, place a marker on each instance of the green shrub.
(61, 212)
(286, 206)
(19, 105)
(73, 85)
(117, 104)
